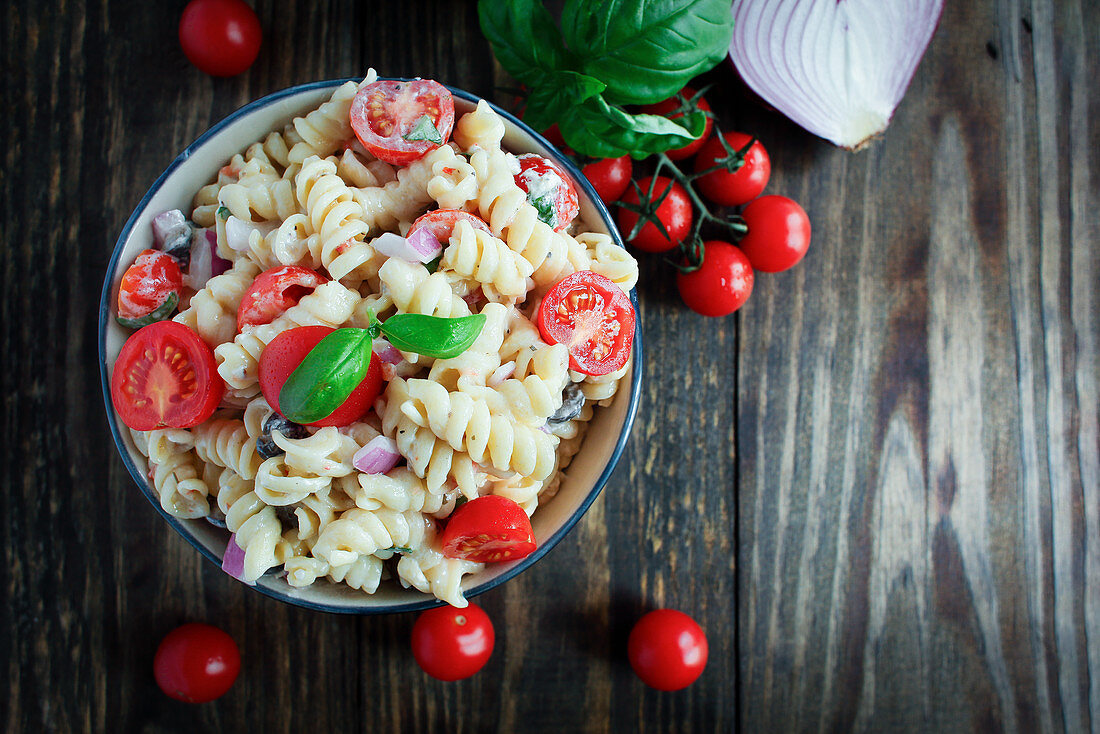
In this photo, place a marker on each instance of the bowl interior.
(175, 188)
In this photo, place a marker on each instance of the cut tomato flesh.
(593, 318)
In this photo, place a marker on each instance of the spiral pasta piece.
(399, 489)
(212, 311)
(330, 304)
(327, 453)
(359, 532)
(226, 443)
(479, 255)
(278, 485)
(414, 290)
(257, 531)
(257, 201)
(503, 204)
(336, 218)
(325, 128)
(442, 169)
(428, 570)
(482, 128)
(610, 260)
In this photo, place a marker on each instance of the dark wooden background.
(877, 487)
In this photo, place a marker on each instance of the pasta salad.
(373, 347)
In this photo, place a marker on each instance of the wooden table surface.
(877, 486)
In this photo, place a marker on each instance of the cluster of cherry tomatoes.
(198, 662)
(663, 212)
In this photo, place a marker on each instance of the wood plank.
(919, 456)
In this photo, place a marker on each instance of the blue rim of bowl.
(427, 603)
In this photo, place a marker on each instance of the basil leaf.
(425, 129)
(599, 130)
(400, 549)
(646, 50)
(544, 205)
(223, 212)
(163, 312)
(327, 376)
(432, 336)
(433, 265)
(524, 38)
(560, 91)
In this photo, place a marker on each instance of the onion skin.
(838, 68)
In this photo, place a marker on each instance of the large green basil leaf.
(645, 50)
(327, 376)
(524, 38)
(559, 91)
(599, 130)
(432, 336)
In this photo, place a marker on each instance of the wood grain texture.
(877, 488)
(917, 432)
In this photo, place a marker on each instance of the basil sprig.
(609, 53)
(335, 367)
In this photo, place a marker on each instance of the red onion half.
(838, 68)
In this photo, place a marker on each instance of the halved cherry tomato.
(452, 644)
(667, 649)
(779, 233)
(674, 212)
(593, 318)
(220, 37)
(147, 284)
(275, 291)
(610, 177)
(489, 529)
(385, 114)
(677, 102)
(440, 222)
(287, 350)
(196, 663)
(721, 285)
(549, 190)
(744, 184)
(165, 376)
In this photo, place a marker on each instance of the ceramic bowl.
(175, 188)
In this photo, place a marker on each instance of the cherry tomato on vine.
(287, 350)
(675, 102)
(275, 291)
(220, 37)
(721, 285)
(489, 529)
(388, 117)
(196, 663)
(744, 184)
(451, 643)
(779, 233)
(674, 213)
(610, 177)
(593, 318)
(441, 222)
(667, 650)
(549, 190)
(165, 376)
(148, 283)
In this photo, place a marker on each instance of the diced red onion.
(218, 264)
(838, 69)
(501, 374)
(237, 232)
(233, 560)
(167, 224)
(377, 457)
(386, 352)
(421, 247)
(200, 268)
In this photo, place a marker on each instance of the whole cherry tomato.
(779, 233)
(287, 350)
(677, 103)
(744, 184)
(674, 213)
(165, 377)
(401, 121)
(452, 644)
(220, 37)
(667, 650)
(610, 177)
(721, 285)
(488, 529)
(196, 663)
